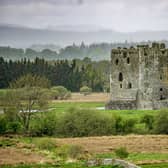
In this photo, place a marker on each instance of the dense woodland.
(70, 74)
(94, 51)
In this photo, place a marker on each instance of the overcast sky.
(119, 15)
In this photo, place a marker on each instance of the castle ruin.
(139, 77)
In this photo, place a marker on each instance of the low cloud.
(121, 15)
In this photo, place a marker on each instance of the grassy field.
(93, 101)
(30, 151)
(149, 151)
(72, 165)
(161, 165)
(64, 106)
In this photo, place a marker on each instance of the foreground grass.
(43, 144)
(73, 165)
(135, 157)
(160, 165)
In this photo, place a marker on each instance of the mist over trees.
(96, 52)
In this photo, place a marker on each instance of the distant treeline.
(70, 74)
(94, 51)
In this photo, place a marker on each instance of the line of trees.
(70, 74)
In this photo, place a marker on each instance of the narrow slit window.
(128, 60)
(116, 61)
(161, 77)
(120, 85)
(129, 85)
(120, 77)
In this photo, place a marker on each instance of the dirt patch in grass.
(13, 156)
(93, 97)
(134, 143)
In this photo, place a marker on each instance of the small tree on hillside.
(26, 95)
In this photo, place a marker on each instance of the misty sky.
(119, 15)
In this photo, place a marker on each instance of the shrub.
(70, 151)
(121, 152)
(148, 120)
(161, 122)
(128, 125)
(140, 128)
(7, 142)
(43, 124)
(14, 127)
(60, 92)
(45, 144)
(75, 151)
(3, 124)
(85, 122)
(124, 125)
(85, 90)
(62, 151)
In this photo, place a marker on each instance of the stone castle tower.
(139, 77)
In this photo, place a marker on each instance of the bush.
(14, 127)
(124, 125)
(63, 151)
(6, 142)
(140, 128)
(75, 151)
(3, 124)
(128, 125)
(85, 90)
(161, 122)
(43, 124)
(60, 92)
(121, 152)
(70, 151)
(148, 120)
(85, 122)
(45, 144)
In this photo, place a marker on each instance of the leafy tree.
(85, 90)
(60, 92)
(25, 96)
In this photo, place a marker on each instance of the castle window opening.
(129, 85)
(120, 77)
(116, 61)
(161, 97)
(145, 53)
(161, 77)
(128, 60)
(161, 89)
(120, 85)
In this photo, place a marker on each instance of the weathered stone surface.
(110, 161)
(107, 161)
(121, 105)
(139, 78)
